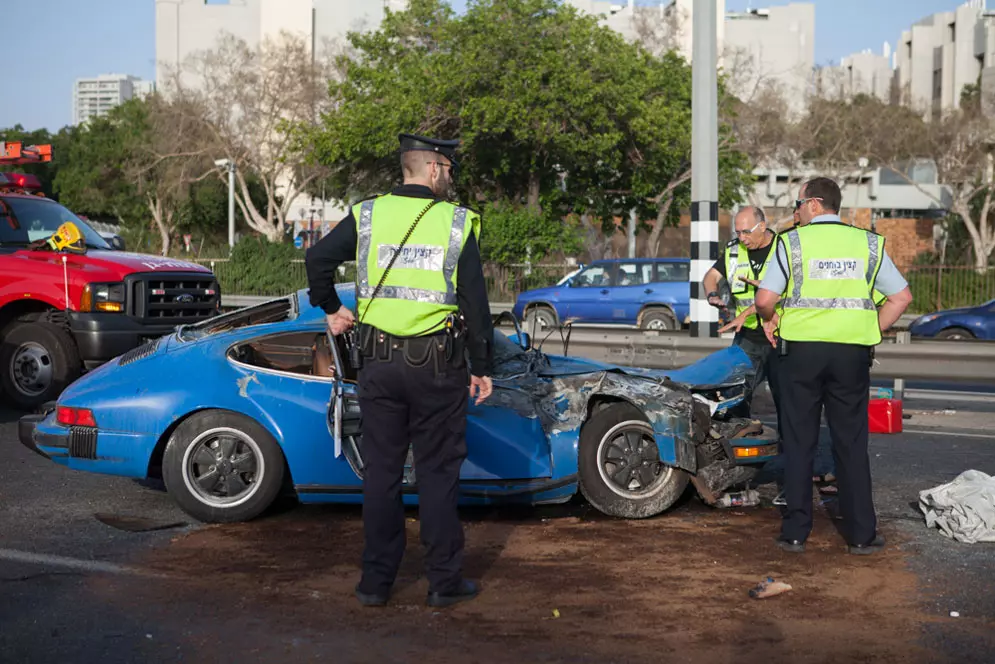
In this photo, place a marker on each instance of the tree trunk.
(963, 210)
(533, 199)
(661, 220)
(162, 219)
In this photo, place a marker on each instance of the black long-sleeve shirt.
(339, 246)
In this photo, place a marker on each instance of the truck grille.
(83, 442)
(174, 298)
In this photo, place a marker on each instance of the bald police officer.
(825, 328)
(419, 280)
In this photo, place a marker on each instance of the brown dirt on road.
(673, 588)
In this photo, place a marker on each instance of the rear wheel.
(38, 361)
(657, 319)
(954, 334)
(620, 469)
(539, 318)
(222, 467)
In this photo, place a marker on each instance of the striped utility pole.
(704, 163)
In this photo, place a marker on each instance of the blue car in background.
(651, 293)
(964, 323)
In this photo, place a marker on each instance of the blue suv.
(651, 293)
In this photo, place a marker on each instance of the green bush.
(258, 267)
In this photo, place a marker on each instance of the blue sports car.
(232, 411)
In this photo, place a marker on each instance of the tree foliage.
(556, 113)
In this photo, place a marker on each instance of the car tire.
(613, 431)
(954, 334)
(543, 318)
(38, 360)
(222, 467)
(657, 319)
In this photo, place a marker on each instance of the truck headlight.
(103, 297)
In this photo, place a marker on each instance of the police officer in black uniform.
(424, 336)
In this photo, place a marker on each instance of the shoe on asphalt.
(791, 546)
(466, 591)
(876, 545)
(371, 599)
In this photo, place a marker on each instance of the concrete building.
(865, 73)
(942, 53)
(774, 46)
(94, 97)
(185, 27)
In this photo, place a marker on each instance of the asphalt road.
(60, 565)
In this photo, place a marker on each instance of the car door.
(671, 286)
(589, 295)
(504, 438)
(633, 288)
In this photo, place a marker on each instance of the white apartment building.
(866, 73)
(761, 47)
(93, 97)
(942, 53)
(185, 27)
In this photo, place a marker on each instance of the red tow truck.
(65, 309)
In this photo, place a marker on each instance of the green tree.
(555, 112)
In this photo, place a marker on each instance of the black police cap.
(410, 142)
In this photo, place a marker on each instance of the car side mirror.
(117, 242)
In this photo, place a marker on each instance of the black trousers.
(836, 376)
(427, 409)
(760, 353)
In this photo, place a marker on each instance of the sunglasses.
(801, 201)
(749, 232)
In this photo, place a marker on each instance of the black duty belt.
(442, 349)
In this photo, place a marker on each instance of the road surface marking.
(71, 563)
(937, 432)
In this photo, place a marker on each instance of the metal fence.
(934, 287)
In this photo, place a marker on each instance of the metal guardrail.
(899, 359)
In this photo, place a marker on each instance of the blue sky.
(54, 42)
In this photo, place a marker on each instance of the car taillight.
(79, 417)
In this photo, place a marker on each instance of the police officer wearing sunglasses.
(424, 339)
(818, 302)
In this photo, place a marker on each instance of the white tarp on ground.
(963, 509)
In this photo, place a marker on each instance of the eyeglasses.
(801, 201)
(749, 232)
(442, 163)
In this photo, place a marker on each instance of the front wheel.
(620, 469)
(954, 334)
(222, 467)
(658, 319)
(38, 361)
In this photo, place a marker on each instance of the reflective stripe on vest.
(420, 289)
(830, 285)
(745, 300)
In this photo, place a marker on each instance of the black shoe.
(371, 599)
(466, 591)
(876, 545)
(791, 546)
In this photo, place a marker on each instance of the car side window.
(596, 275)
(673, 271)
(634, 274)
(303, 353)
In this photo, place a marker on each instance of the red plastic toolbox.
(884, 415)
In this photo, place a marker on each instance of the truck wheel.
(222, 467)
(619, 463)
(37, 362)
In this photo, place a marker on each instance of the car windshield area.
(26, 219)
(595, 275)
(274, 311)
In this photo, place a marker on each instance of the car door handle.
(604, 291)
(648, 291)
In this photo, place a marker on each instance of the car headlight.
(926, 319)
(103, 297)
